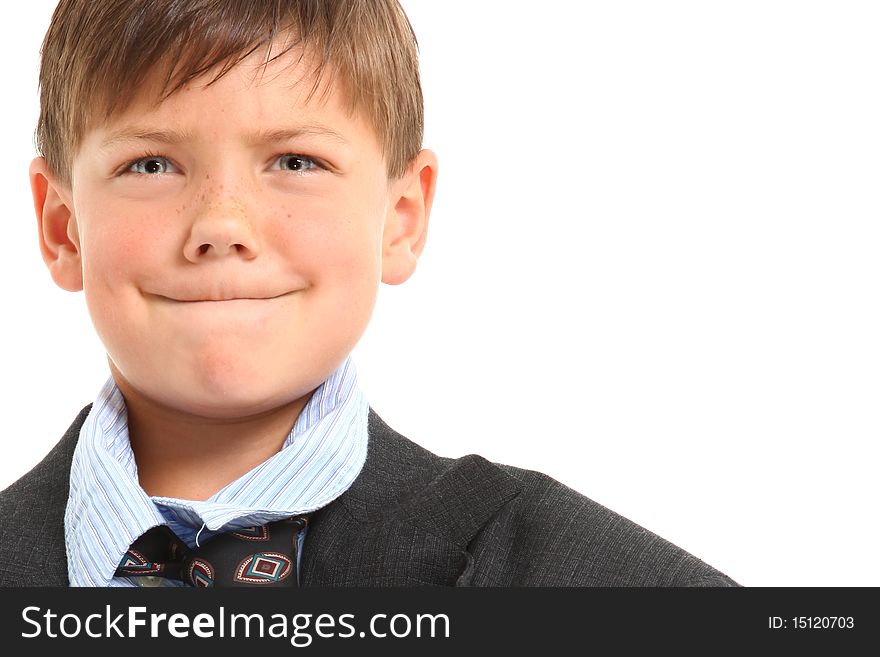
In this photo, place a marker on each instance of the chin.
(222, 389)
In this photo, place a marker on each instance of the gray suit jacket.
(410, 519)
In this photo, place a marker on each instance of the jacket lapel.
(407, 520)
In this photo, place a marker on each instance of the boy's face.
(230, 241)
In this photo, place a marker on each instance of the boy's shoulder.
(516, 527)
(552, 535)
(32, 517)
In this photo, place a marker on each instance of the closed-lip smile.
(219, 299)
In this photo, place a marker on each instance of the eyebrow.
(135, 134)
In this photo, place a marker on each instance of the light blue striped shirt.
(107, 509)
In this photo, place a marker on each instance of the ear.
(406, 225)
(59, 233)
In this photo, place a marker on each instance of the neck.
(191, 457)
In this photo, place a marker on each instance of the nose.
(221, 228)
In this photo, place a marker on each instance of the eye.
(150, 165)
(297, 163)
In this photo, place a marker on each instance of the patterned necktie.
(265, 555)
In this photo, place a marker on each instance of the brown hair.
(96, 57)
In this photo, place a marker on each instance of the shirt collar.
(107, 508)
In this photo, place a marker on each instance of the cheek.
(121, 254)
(331, 245)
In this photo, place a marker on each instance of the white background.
(652, 270)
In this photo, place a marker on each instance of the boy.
(229, 183)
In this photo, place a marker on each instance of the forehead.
(265, 97)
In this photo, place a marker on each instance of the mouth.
(209, 300)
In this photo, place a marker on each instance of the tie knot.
(262, 555)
